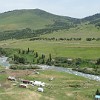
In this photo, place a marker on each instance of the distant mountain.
(33, 22)
(94, 19)
(34, 19)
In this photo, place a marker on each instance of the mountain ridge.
(34, 19)
(28, 23)
(38, 19)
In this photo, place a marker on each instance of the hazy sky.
(72, 8)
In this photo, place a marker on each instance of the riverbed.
(4, 62)
(70, 71)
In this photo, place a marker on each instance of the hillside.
(21, 24)
(33, 18)
(94, 19)
(81, 31)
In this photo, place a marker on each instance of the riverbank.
(90, 71)
(4, 62)
(69, 70)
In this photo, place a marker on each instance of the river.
(68, 70)
(5, 63)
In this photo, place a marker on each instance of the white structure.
(39, 83)
(11, 78)
(40, 89)
(31, 82)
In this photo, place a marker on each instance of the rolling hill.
(28, 23)
(33, 18)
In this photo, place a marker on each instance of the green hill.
(33, 18)
(94, 19)
(21, 24)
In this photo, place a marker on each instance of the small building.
(39, 83)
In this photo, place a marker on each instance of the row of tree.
(56, 39)
(63, 39)
(23, 56)
(91, 39)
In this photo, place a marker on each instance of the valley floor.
(63, 86)
(88, 50)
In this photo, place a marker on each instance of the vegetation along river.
(68, 70)
(5, 63)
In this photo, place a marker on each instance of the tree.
(98, 61)
(37, 61)
(43, 56)
(23, 52)
(43, 61)
(19, 51)
(28, 50)
(16, 58)
(36, 55)
(50, 57)
(97, 92)
(22, 60)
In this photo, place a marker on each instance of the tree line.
(55, 39)
(19, 56)
(92, 39)
(63, 39)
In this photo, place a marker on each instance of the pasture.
(63, 87)
(87, 50)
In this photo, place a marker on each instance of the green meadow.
(63, 87)
(57, 48)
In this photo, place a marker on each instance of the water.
(68, 70)
(4, 62)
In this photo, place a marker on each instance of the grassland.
(73, 49)
(87, 50)
(63, 87)
(81, 31)
(22, 19)
(29, 18)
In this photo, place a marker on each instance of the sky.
(72, 8)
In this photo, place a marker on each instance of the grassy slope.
(34, 19)
(22, 19)
(57, 49)
(83, 31)
(61, 88)
(72, 49)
